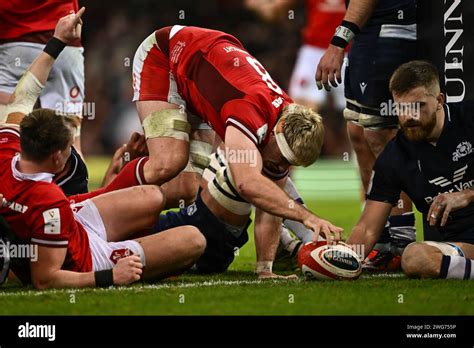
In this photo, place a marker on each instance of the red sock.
(130, 175)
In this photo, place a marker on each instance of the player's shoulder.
(47, 194)
(397, 151)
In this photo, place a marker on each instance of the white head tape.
(285, 149)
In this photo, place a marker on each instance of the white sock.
(300, 230)
(456, 267)
(285, 237)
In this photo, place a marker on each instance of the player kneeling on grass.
(84, 244)
(432, 160)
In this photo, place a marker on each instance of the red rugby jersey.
(38, 212)
(20, 18)
(222, 83)
(323, 17)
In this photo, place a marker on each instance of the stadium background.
(112, 32)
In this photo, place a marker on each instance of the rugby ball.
(328, 262)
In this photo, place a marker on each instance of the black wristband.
(54, 47)
(104, 279)
(344, 34)
(351, 26)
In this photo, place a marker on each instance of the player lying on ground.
(432, 160)
(84, 244)
(179, 69)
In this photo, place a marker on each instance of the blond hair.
(304, 132)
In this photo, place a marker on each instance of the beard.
(415, 130)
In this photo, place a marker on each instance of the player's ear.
(441, 98)
(56, 157)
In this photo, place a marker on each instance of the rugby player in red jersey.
(184, 76)
(25, 28)
(85, 244)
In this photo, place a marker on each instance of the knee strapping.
(171, 123)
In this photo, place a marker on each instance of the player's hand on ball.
(329, 68)
(330, 232)
(128, 270)
(445, 203)
(69, 28)
(271, 275)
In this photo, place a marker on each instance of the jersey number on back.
(265, 75)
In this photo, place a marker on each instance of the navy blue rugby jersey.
(402, 12)
(423, 170)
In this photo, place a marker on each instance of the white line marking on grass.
(174, 285)
(382, 275)
(138, 288)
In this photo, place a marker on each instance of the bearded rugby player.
(432, 160)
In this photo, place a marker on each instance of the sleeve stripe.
(244, 129)
(49, 242)
(10, 130)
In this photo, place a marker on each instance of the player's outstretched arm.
(28, 89)
(330, 64)
(266, 244)
(370, 225)
(264, 193)
(46, 272)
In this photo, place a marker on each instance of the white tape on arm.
(25, 95)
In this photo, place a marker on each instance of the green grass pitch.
(238, 292)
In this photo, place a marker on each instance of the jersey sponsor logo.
(192, 209)
(229, 49)
(262, 133)
(277, 102)
(52, 221)
(176, 51)
(74, 92)
(120, 254)
(19, 208)
(76, 208)
(442, 181)
(458, 184)
(463, 149)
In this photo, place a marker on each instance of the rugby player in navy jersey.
(432, 160)
(382, 34)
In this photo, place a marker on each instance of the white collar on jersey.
(46, 177)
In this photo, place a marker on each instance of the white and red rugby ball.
(327, 262)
